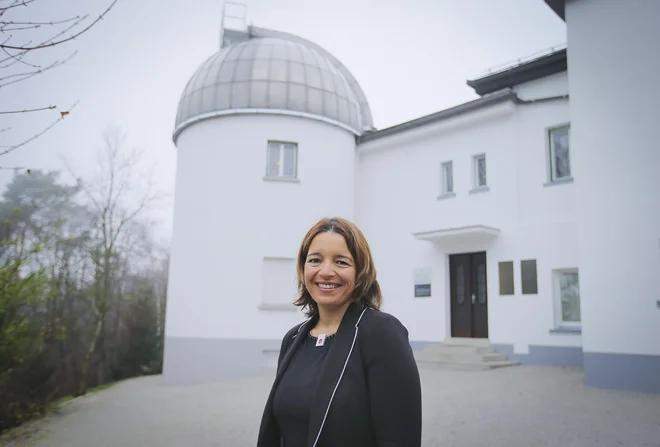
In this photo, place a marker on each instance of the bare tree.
(117, 200)
(20, 38)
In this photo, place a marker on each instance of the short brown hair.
(367, 290)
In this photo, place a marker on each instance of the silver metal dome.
(280, 74)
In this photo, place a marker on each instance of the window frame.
(504, 269)
(535, 286)
(550, 154)
(557, 298)
(281, 167)
(444, 190)
(282, 299)
(475, 171)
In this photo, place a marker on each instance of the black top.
(293, 399)
(378, 402)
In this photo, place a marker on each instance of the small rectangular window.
(282, 160)
(480, 178)
(560, 164)
(567, 296)
(447, 176)
(529, 277)
(506, 278)
(279, 281)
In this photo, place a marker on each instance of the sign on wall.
(422, 281)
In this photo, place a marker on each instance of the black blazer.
(369, 391)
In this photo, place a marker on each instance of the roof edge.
(546, 65)
(252, 111)
(559, 7)
(502, 96)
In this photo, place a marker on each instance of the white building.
(529, 217)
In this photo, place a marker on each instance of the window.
(528, 276)
(279, 283)
(567, 297)
(560, 165)
(480, 171)
(447, 176)
(506, 278)
(282, 160)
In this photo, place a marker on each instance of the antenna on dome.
(234, 18)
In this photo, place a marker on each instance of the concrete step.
(457, 341)
(473, 354)
(456, 349)
(465, 366)
(460, 357)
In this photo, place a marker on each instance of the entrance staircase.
(462, 354)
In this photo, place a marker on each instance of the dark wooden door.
(469, 296)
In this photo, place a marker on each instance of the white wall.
(614, 55)
(397, 194)
(227, 218)
(548, 86)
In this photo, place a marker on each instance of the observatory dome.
(276, 73)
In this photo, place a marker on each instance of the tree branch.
(16, 58)
(59, 22)
(17, 3)
(22, 28)
(19, 56)
(51, 44)
(62, 115)
(35, 73)
(13, 168)
(29, 110)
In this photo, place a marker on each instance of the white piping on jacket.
(300, 327)
(340, 377)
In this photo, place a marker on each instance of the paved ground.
(519, 406)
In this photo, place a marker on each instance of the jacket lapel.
(331, 372)
(293, 347)
(268, 430)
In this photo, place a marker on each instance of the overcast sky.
(410, 57)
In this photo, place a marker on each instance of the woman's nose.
(327, 269)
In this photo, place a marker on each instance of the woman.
(346, 377)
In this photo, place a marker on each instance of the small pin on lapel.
(320, 341)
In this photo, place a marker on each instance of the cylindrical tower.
(265, 133)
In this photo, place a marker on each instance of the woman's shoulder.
(381, 323)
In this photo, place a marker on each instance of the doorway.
(468, 295)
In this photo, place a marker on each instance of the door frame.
(472, 289)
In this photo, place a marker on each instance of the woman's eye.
(313, 261)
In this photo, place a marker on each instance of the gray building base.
(629, 372)
(544, 355)
(198, 360)
(625, 372)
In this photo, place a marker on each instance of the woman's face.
(329, 271)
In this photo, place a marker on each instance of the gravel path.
(518, 406)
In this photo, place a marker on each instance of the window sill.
(278, 306)
(479, 189)
(447, 195)
(561, 181)
(281, 179)
(566, 330)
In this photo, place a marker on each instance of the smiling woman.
(333, 387)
